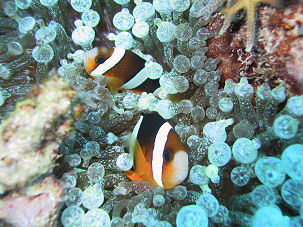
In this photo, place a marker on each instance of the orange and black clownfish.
(159, 156)
(121, 67)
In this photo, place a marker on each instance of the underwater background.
(236, 67)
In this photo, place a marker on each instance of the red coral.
(36, 206)
(220, 47)
(294, 65)
(278, 57)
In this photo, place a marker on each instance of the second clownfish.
(159, 156)
(121, 67)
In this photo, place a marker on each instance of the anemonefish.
(159, 156)
(121, 66)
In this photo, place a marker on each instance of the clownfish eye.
(167, 154)
(100, 60)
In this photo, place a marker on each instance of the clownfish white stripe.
(137, 80)
(113, 60)
(157, 161)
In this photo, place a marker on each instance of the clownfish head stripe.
(113, 60)
(157, 161)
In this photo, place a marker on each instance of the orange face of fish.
(94, 57)
(175, 161)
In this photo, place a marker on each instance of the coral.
(250, 6)
(294, 68)
(273, 61)
(25, 157)
(34, 205)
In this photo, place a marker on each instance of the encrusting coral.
(34, 205)
(30, 136)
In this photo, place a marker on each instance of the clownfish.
(159, 156)
(121, 66)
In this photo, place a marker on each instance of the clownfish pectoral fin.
(132, 175)
(134, 146)
(114, 84)
(128, 138)
(175, 98)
